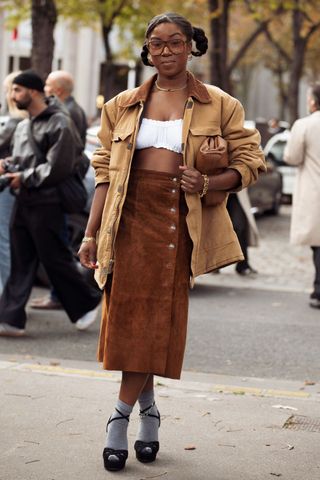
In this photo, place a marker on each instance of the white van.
(273, 151)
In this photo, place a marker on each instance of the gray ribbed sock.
(117, 429)
(149, 426)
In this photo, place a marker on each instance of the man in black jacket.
(38, 218)
(59, 84)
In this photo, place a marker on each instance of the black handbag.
(72, 192)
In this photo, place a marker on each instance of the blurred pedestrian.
(244, 224)
(303, 151)
(154, 231)
(38, 216)
(60, 84)
(7, 129)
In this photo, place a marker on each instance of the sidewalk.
(213, 427)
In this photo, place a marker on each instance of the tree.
(300, 21)
(303, 27)
(43, 20)
(44, 16)
(221, 68)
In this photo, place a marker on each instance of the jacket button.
(173, 210)
(172, 246)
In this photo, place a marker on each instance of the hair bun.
(200, 40)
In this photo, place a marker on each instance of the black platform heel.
(146, 452)
(113, 459)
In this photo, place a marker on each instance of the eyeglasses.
(156, 47)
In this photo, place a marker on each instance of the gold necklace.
(169, 89)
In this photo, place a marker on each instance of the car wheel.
(276, 206)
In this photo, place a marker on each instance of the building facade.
(80, 52)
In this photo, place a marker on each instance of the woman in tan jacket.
(149, 233)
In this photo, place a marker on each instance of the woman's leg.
(147, 443)
(132, 385)
(116, 449)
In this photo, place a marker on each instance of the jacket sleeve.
(60, 158)
(245, 153)
(101, 157)
(6, 135)
(295, 148)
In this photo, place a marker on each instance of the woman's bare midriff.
(157, 159)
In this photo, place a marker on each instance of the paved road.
(256, 333)
(259, 327)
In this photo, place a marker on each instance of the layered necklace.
(169, 89)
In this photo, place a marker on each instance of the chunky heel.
(146, 452)
(114, 459)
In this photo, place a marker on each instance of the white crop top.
(160, 134)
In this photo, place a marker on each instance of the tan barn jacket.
(208, 111)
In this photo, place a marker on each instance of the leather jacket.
(53, 132)
(6, 134)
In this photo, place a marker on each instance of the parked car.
(274, 151)
(266, 194)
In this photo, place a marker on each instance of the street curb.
(263, 282)
(164, 385)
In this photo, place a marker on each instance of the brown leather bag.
(212, 159)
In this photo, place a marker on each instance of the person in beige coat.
(303, 150)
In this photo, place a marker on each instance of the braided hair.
(192, 33)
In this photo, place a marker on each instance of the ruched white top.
(160, 134)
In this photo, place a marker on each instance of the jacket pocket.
(122, 145)
(206, 130)
(121, 135)
(199, 133)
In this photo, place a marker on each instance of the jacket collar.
(196, 89)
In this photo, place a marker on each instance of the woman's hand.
(88, 250)
(88, 254)
(191, 181)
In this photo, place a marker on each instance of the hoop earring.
(149, 60)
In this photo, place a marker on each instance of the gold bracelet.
(205, 185)
(88, 239)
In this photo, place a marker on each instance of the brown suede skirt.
(145, 307)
